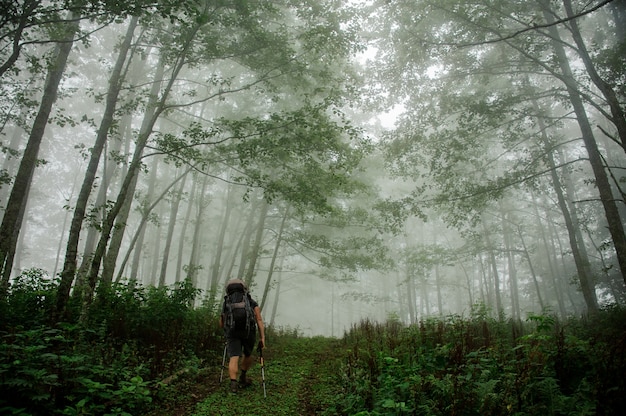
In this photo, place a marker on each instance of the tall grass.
(481, 366)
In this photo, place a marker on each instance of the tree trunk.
(276, 293)
(71, 252)
(279, 239)
(438, 287)
(531, 268)
(141, 227)
(155, 255)
(616, 227)
(115, 243)
(183, 231)
(424, 298)
(245, 242)
(140, 233)
(410, 293)
(194, 264)
(555, 237)
(11, 222)
(235, 248)
(10, 163)
(438, 281)
(20, 240)
(256, 247)
(24, 21)
(219, 246)
(66, 215)
(485, 293)
(548, 251)
(175, 204)
(618, 10)
(494, 270)
(506, 236)
(618, 118)
(128, 185)
(577, 244)
(93, 233)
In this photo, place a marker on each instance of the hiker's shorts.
(241, 342)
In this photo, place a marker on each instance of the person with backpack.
(240, 318)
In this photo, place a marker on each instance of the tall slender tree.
(11, 222)
(71, 252)
(616, 226)
(467, 111)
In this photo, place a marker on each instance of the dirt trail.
(300, 379)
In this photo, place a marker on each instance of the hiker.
(240, 317)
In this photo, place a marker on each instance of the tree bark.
(256, 246)
(194, 263)
(279, 239)
(183, 231)
(155, 108)
(11, 222)
(219, 246)
(548, 251)
(410, 293)
(156, 241)
(175, 204)
(71, 252)
(29, 6)
(617, 113)
(279, 279)
(10, 163)
(141, 228)
(494, 270)
(542, 305)
(140, 233)
(577, 244)
(616, 227)
(245, 241)
(510, 255)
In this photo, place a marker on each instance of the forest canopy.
(348, 160)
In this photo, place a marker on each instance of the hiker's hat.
(234, 285)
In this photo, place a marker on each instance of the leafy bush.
(29, 301)
(480, 366)
(108, 365)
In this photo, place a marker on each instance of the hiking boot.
(234, 387)
(244, 382)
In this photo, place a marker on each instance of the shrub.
(29, 300)
(132, 336)
(480, 366)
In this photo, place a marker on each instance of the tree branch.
(537, 26)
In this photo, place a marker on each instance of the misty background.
(349, 160)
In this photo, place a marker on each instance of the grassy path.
(300, 379)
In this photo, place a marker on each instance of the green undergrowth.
(480, 366)
(113, 362)
(300, 379)
(444, 366)
(151, 352)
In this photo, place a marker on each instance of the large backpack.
(238, 313)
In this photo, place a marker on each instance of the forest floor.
(301, 378)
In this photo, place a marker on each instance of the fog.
(380, 160)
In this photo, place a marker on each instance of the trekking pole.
(223, 363)
(259, 349)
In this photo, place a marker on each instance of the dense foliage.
(480, 366)
(133, 338)
(145, 351)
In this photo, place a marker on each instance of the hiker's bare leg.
(246, 363)
(233, 367)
